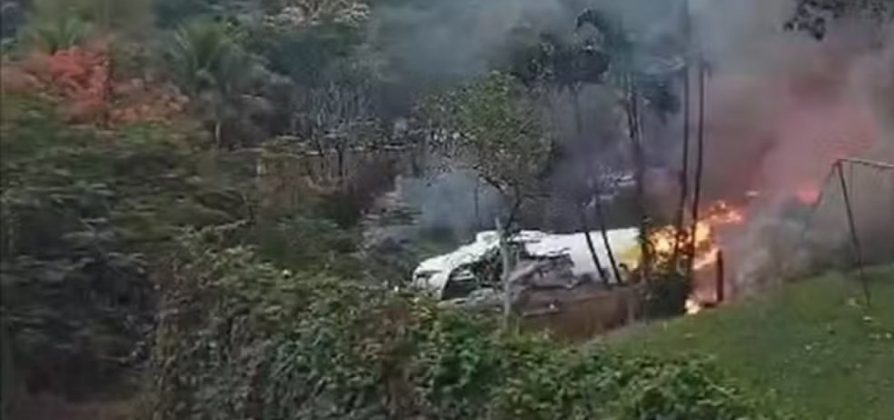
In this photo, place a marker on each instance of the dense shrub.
(239, 338)
(666, 295)
(83, 216)
(87, 217)
(98, 83)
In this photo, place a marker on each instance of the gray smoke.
(438, 41)
(781, 106)
(455, 201)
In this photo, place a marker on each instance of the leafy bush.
(666, 293)
(83, 217)
(239, 338)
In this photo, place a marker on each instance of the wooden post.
(855, 237)
(721, 278)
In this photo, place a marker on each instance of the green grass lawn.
(812, 347)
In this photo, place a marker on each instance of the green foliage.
(301, 242)
(240, 338)
(83, 218)
(205, 56)
(666, 293)
(243, 339)
(495, 126)
(829, 356)
(212, 68)
(305, 54)
(174, 13)
(77, 305)
(131, 17)
(58, 34)
(88, 218)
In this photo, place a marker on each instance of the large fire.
(667, 242)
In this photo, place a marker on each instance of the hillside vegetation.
(131, 254)
(191, 193)
(813, 345)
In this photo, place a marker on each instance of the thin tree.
(582, 216)
(494, 127)
(582, 205)
(684, 170)
(211, 68)
(635, 86)
(700, 162)
(603, 229)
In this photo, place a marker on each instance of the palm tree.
(211, 68)
(69, 19)
(57, 34)
(200, 53)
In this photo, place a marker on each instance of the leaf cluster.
(83, 219)
(494, 126)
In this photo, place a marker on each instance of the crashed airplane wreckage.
(558, 266)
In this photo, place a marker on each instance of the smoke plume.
(781, 107)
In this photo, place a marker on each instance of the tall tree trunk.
(590, 245)
(700, 163)
(515, 209)
(633, 121)
(684, 171)
(581, 209)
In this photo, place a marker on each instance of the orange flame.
(808, 194)
(717, 215)
(704, 241)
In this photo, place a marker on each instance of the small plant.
(666, 293)
(62, 33)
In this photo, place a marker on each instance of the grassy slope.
(812, 346)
